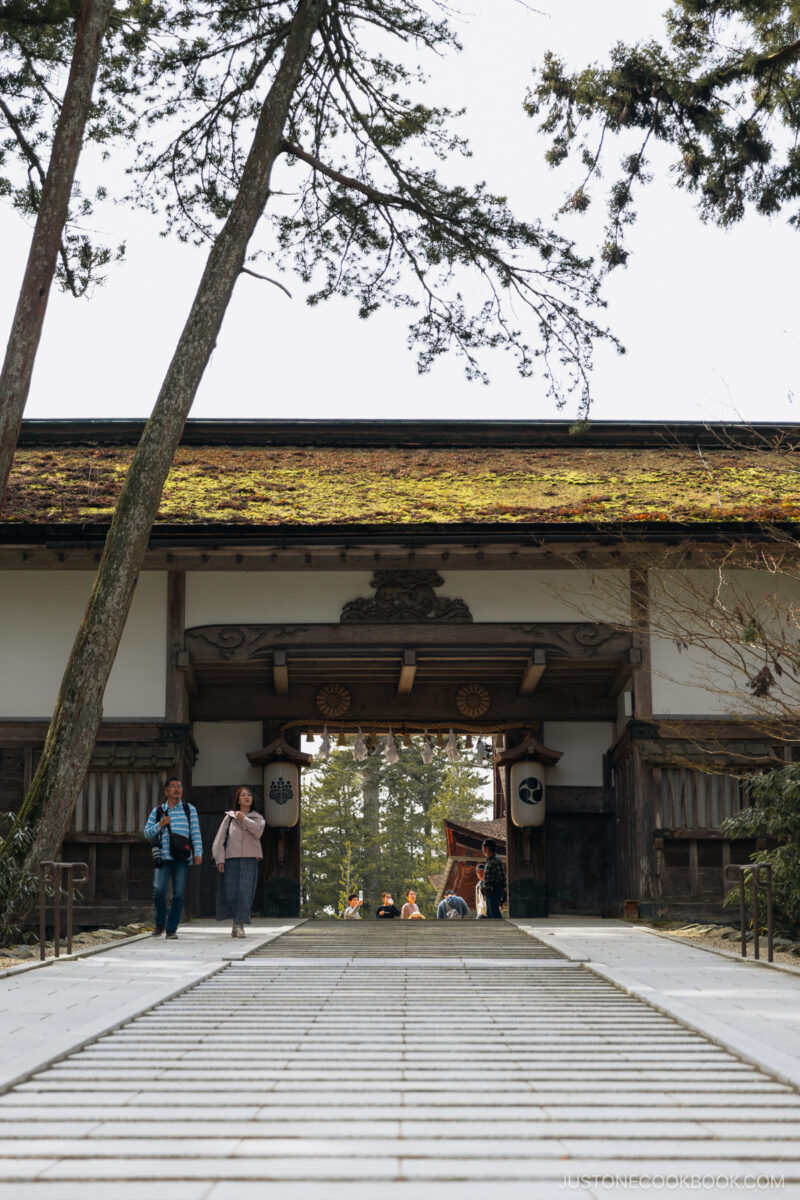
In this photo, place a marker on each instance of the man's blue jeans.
(177, 872)
(493, 907)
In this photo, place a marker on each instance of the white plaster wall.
(265, 597)
(583, 744)
(222, 753)
(705, 677)
(39, 616)
(542, 595)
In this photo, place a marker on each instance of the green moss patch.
(297, 486)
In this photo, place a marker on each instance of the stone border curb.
(729, 954)
(84, 953)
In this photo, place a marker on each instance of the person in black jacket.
(494, 880)
(388, 908)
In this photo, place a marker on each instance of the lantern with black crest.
(281, 765)
(527, 780)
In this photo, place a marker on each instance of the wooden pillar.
(644, 784)
(280, 886)
(525, 855)
(176, 706)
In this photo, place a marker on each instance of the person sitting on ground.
(388, 908)
(452, 907)
(494, 880)
(410, 910)
(351, 913)
(480, 899)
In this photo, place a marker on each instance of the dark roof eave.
(370, 433)
(212, 534)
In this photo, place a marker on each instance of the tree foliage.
(722, 90)
(774, 814)
(340, 849)
(370, 206)
(36, 43)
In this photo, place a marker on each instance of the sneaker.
(171, 935)
(233, 930)
(238, 931)
(157, 932)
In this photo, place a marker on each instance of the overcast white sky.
(710, 319)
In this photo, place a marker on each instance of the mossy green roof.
(301, 486)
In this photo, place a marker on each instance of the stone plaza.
(322, 1061)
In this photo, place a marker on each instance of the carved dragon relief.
(573, 640)
(239, 643)
(405, 597)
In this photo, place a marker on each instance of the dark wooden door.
(580, 863)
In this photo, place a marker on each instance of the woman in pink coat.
(237, 853)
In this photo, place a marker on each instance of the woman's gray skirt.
(236, 889)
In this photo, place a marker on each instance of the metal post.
(42, 910)
(735, 872)
(56, 909)
(69, 909)
(766, 882)
(762, 877)
(54, 869)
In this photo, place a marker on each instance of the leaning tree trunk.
(73, 728)
(26, 328)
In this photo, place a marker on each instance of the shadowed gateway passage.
(406, 939)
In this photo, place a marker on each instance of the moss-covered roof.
(306, 486)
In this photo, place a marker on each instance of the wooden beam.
(280, 673)
(407, 673)
(640, 610)
(533, 672)
(632, 659)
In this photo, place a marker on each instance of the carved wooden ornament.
(333, 700)
(472, 700)
(405, 597)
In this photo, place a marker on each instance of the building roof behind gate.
(377, 474)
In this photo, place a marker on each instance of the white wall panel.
(39, 616)
(583, 744)
(695, 674)
(540, 595)
(222, 753)
(267, 597)
(264, 597)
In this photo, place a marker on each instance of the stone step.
(298, 1081)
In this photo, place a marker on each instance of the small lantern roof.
(532, 749)
(279, 749)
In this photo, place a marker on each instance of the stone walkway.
(47, 1011)
(314, 1077)
(751, 1009)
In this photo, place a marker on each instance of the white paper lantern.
(527, 792)
(281, 794)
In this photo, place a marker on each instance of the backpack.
(180, 846)
(452, 913)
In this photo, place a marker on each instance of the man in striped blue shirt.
(171, 817)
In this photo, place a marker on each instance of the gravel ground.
(12, 956)
(709, 937)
